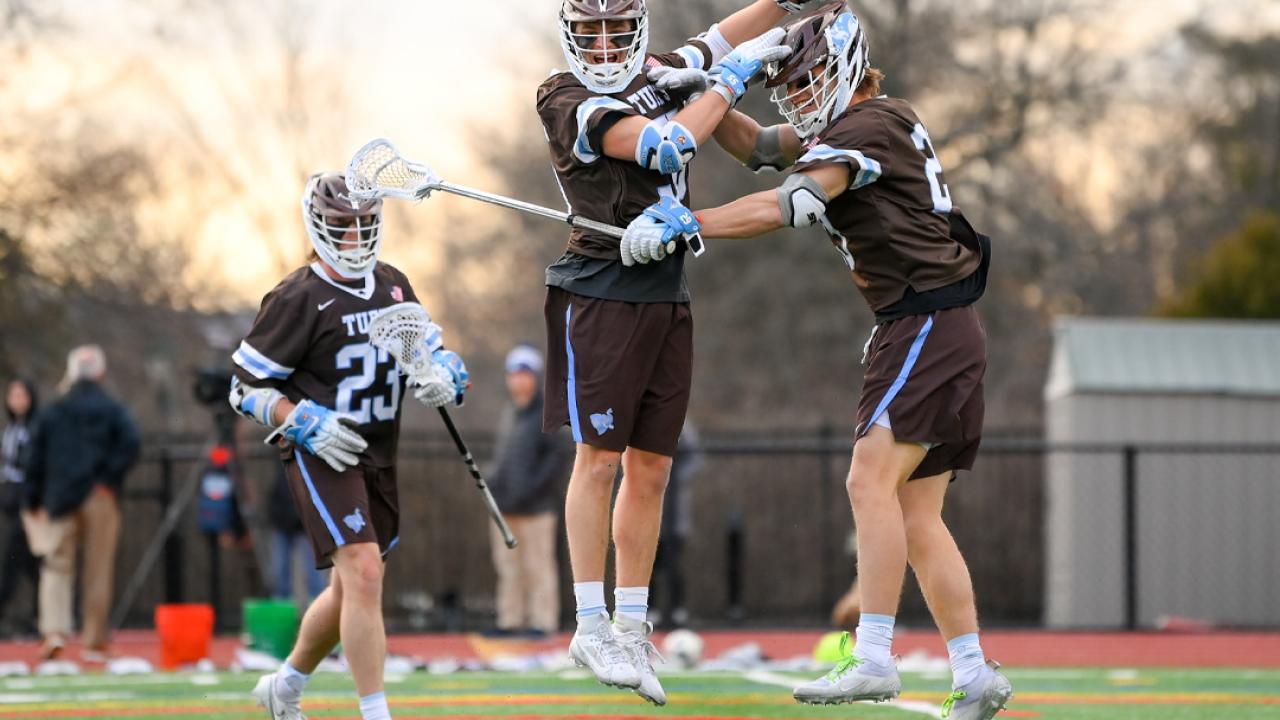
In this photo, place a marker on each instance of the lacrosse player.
(620, 335)
(867, 172)
(307, 371)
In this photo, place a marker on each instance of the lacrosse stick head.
(402, 330)
(379, 170)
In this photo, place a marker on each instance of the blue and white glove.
(683, 84)
(653, 235)
(323, 433)
(730, 76)
(446, 381)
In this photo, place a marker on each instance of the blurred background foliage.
(152, 153)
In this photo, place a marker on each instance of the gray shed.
(1195, 403)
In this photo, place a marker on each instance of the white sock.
(290, 683)
(967, 659)
(631, 603)
(374, 707)
(590, 599)
(875, 641)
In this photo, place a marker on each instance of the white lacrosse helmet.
(330, 217)
(603, 62)
(828, 61)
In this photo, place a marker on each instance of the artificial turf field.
(1070, 694)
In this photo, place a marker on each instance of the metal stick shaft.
(523, 206)
(494, 512)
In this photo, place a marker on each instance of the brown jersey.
(612, 190)
(310, 341)
(892, 224)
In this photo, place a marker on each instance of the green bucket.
(271, 626)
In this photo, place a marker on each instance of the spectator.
(289, 542)
(81, 448)
(677, 507)
(17, 561)
(526, 465)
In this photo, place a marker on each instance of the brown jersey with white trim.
(310, 341)
(891, 225)
(612, 190)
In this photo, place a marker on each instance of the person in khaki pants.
(80, 450)
(526, 466)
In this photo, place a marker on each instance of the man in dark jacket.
(80, 450)
(526, 465)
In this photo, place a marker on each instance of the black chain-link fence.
(770, 538)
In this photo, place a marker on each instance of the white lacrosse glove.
(644, 239)
(798, 6)
(435, 387)
(684, 84)
(653, 235)
(323, 433)
(446, 380)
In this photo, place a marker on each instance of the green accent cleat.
(849, 682)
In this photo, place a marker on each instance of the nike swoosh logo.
(324, 305)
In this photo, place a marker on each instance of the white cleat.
(849, 681)
(633, 638)
(265, 692)
(995, 694)
(598, 651)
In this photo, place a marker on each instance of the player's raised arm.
(775, 147)
(668, 146)
(729, 56)
(757, 17)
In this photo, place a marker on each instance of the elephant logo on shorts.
(602, 422)
(355, 521)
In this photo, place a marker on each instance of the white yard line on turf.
(65, 681)
(26, 698)
(770, 678)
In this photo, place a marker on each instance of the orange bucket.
(185, 631)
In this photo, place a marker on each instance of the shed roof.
(1143, 355)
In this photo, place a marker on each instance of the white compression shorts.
(883, 421)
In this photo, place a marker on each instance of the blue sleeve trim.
(582, 149)
(868, 170)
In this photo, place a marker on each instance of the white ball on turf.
(683, 648)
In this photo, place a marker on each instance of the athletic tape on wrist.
(255, 403)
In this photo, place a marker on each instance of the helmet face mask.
(828, 62)
(346, 236)
(604, 41)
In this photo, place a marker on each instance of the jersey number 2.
(379, 407)
(932, 170)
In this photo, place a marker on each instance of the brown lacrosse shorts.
(358, 505)
(925, 372)
(618, 373)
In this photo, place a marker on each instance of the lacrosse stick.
(379, 170)
(400, 330)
